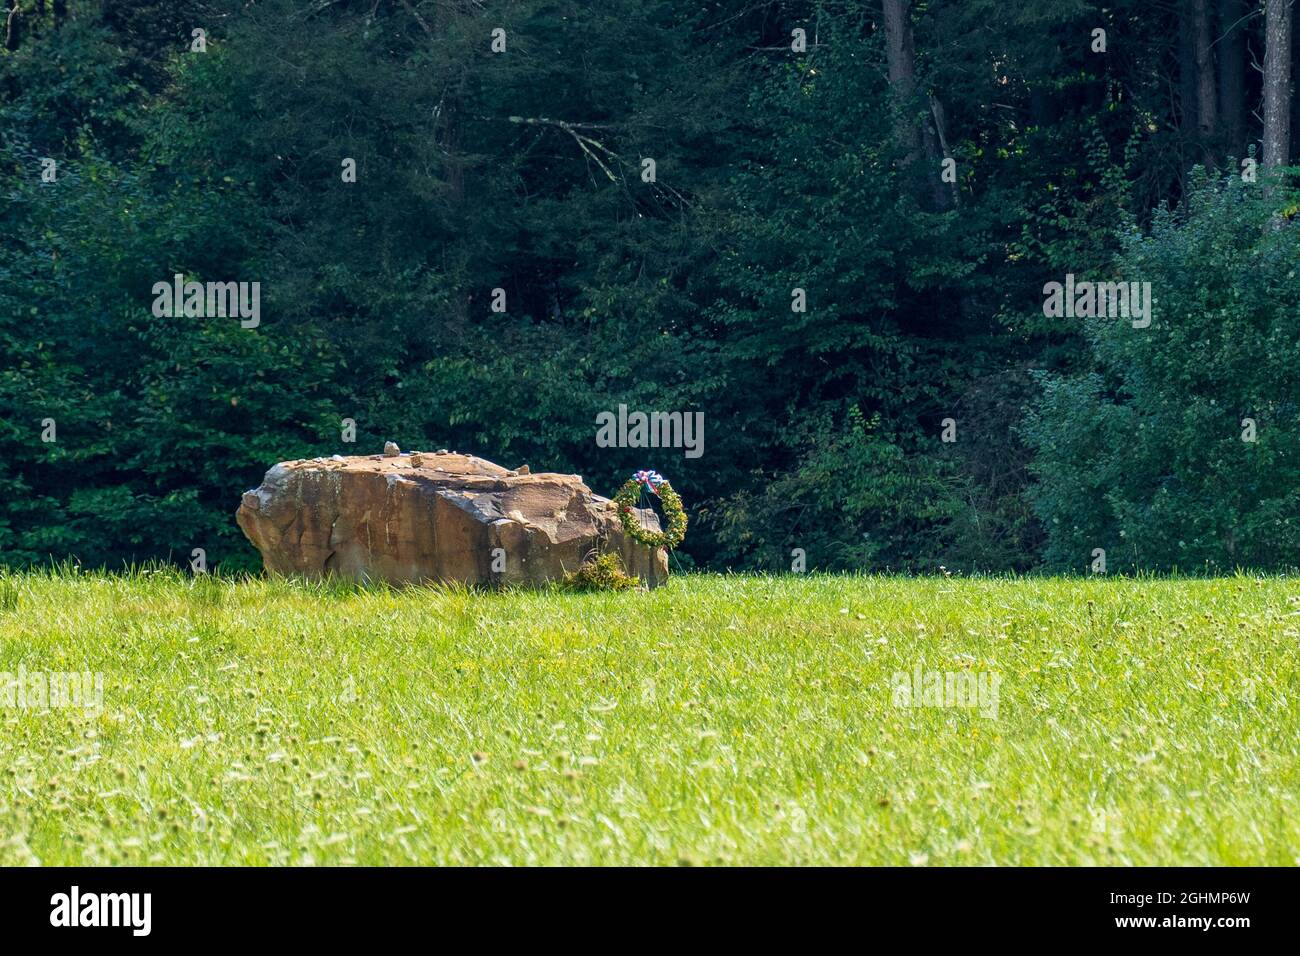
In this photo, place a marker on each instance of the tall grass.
(722, 719)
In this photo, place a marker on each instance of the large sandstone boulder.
(434, 517)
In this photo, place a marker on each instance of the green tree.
(1146, 455)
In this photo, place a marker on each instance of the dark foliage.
(775, 170)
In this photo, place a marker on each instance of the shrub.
(603, 573)
(1146, 454)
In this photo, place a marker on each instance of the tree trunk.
(946, 195)
(900, 57)
(918, 139)
(448, 134)
(1277, 83)
(1232, 76)
(1187, 123)
(12, 26)
(1207, 118)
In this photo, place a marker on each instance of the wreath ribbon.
(649, 480)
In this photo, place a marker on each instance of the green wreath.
(627, 499)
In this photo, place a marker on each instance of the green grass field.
(719, 720)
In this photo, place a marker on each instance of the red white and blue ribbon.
(649, 480)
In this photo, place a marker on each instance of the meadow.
(718, 720)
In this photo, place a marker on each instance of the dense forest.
(829, 227)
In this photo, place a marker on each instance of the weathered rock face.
(434, 517)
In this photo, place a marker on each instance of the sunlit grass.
(717, 720)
